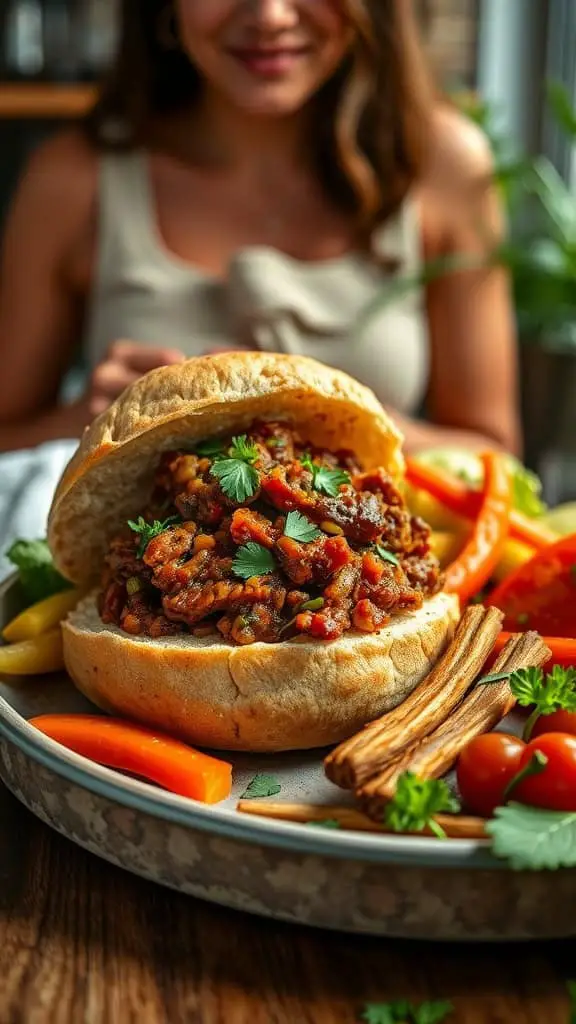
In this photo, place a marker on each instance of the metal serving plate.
(359, 882)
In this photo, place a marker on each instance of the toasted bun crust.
(262, 697)
(108, 479)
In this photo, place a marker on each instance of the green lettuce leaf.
(39, 577)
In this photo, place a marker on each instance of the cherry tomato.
(555, 786)
(559, 721)
(541, 593)
(485, 768)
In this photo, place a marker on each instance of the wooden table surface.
(82, 942)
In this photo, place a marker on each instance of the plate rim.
(411, 851)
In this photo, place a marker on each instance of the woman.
(255, 174)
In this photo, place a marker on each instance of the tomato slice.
(541, 594)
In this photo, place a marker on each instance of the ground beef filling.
(263, 538)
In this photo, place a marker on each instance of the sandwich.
(254, 580)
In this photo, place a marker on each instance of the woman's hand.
(124, 363)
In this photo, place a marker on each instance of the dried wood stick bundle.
(381, 742)
(455, 827)
(479, 712)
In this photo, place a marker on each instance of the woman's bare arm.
(41, 308)
(473, 399)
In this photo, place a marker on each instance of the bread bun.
(108, 479)
(297, 694)
(262, 697)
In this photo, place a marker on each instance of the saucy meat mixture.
(262, 538)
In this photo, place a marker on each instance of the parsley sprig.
(546, 694)
(236, 474)
(326, 481)
(415, 803)
(400, 1011)
(253, 559)
(298, 527)
(148, 531)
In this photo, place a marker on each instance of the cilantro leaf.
(326, 481)
(262, 785)
(298, 527)
(237, 479)
(253, 559)
(400, 1011)
(242, 449)
(325, 823)
(148, 531)
(415, 803)
(532, 839)
(385, 555)
(329, 481)
(39, 577)
(385, 1013)
(210, 449)
(432, 1013)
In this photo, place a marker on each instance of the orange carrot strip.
(459, 498)
(473, 567)
(141, 751)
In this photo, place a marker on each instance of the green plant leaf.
(38, 575)
(238, 480)
(299, 528)
(253, 559)
(531, 839)
(262, 785)
(148, 531)
(561, 106)
(241, 448)
(432, 1013)
(386, 556)
(416, 801)
(210, 448)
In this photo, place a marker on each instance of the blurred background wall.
(502, 51)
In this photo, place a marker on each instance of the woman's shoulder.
(59, 181)
(460, 152)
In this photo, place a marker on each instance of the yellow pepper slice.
(446, 546)
(42, 616)
(35, 657)
(515, 554)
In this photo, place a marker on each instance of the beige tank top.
(267, 300)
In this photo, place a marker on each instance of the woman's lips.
(269, 63)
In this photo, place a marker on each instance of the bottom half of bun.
(262, 697)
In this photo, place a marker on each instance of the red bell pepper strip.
(479, 557)
(563, 650)
(541, 593)
(141, 751)
(459, 498)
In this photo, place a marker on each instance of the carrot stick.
(473, 567)
(141, 751)
(459, 498)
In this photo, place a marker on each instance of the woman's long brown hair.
(373, 117)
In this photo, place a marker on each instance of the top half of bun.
(108, 479)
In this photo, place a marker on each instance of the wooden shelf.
(45, 101)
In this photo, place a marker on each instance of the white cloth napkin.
(28, 480)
